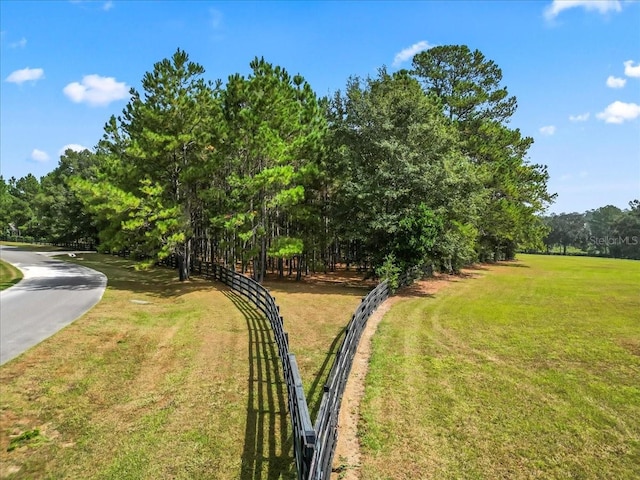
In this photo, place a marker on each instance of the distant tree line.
(607, 231)
(412, 167)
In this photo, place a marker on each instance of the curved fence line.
(313, 444)
(326, 426)
(304, 435)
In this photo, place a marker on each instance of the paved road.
(51, 295)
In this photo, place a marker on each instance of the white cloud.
(601, 6)
(96, 90)
(619, 112)
(215, 17)
(409, 52)
(19, 44)
(630, 70)
(548, 130)
(39, 156)
(72, 146)
(25, 75)
(615, 82)
(86, 4)
(583, 117)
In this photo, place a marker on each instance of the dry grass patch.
(159, 388)
(316, 312)
(164, 379)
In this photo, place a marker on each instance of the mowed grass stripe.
(9, 275)
(528, 371)
(185, 386)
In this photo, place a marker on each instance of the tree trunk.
(299, 268)
(183, 270)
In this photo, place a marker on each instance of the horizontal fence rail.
(326, 426)
(75, 245)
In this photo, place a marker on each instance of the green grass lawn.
(9, 275)
(531, 370)
(164, 379)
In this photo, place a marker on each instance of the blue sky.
(573, 65)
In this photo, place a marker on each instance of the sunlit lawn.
(530, 371)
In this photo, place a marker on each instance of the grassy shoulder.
(161, 379)
(530, 371)
(32, 247)
(9, 275)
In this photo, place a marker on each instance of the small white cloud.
(96, 90)
(548, 130)
(600, 6)
(619, 112)
(39, 156)
(408, 53)
(583, 117)
(615, 82)
(25, 75)
(107, 6)
(19, 44)
(215, 17)
(72, 146)
(630, 70)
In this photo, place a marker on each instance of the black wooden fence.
(304, 435)
(313, 445)
(74, 245)
(326, 426)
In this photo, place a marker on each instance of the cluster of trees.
(606, 231)
(47, 208)
(414, 166)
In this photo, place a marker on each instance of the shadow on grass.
(317, 285)
(8, 284)
(323, 375)
(512, 263)
(28, 247)
(155, 281)
(164, 282)
(267, 453)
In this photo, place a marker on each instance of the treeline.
(259, 173)
(607, 231)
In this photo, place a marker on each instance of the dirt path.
(347, 458)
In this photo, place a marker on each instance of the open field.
(9, 275)
(528, 370)
(165, 380)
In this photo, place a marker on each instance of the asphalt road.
(51, 295)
